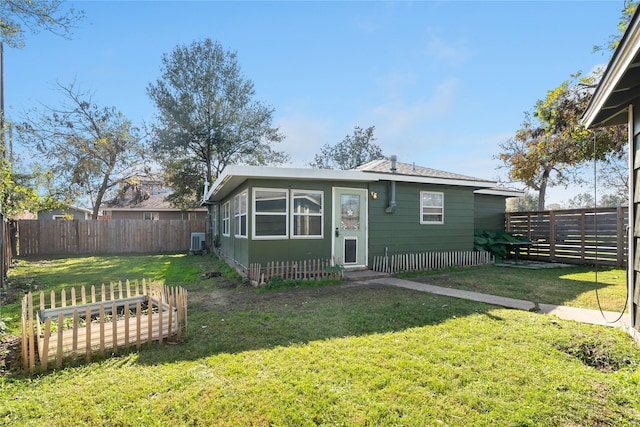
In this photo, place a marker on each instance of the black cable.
(595, 225)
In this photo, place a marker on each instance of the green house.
(269, 214)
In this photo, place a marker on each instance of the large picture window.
(240, 214)
(306, 208)
(226, 219)
(270, 213)
(431, 208)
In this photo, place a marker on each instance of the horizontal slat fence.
(314, 269)
(60, 237)
(573, 236)
(80, 323)
(429, 261)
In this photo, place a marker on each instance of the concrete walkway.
(594, 317)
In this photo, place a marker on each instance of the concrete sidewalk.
(594, 317)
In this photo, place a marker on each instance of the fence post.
(622, 236)
(552, 236)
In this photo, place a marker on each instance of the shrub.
(493, 241)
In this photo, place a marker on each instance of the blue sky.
(444, 83)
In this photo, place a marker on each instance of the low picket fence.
(397, 263)
(121, 315)
(314, 269)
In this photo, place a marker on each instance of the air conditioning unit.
(197, 243)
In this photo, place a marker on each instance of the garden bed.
(121, 322)
(72, 330)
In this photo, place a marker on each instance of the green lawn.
(572, 286)
(362, 355)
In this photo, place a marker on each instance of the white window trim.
(422, 207)
(254, 213)
(226, 218)
(294, 214)
(238, 215)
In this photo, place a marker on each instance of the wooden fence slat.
(59, 347)
(32, 349)
(44, 357)
(75, 326)
(88, 333)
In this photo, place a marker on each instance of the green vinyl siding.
(243, 252)
(401, 231)
(398, 232)
(489, 212)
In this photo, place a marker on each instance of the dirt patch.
(246, 297)
(9, 353)
(596, 354)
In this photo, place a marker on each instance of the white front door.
(350, 226)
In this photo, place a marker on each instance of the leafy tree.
(552, 144)
(208, 118)
(526, 203)
(18, 191)
(584, 200)
(18, 16)
(353, 151)
(612, 43)
(89, 149)
(613, 175)
(612, 201)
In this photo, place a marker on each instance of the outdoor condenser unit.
(197, 243)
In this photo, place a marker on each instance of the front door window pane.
(350, 208)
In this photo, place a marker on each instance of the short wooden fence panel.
(315, 269)
(78, 325)
(430, 261)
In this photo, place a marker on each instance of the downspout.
(392, 197)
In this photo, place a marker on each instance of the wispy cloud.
(398, 116)
(304, 137)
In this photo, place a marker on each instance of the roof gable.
(620, 83)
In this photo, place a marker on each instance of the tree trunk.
(542, 192)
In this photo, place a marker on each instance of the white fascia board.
(234, 176)
(618, 65)
(156, 209)
(499, 192)
(432, 180)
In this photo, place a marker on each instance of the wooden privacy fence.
(120, 316)
(578, 236)
(58, 237)
(315, 269)
(429, 261)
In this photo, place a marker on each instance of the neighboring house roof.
(233, 176)
(620, 83)
(70, 207)
(153, 202)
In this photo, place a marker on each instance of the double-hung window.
(270, 213)
(226, 218)
(151, 216)
(431, 207)
(306, 208)
(240, 214)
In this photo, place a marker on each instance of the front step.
(357, 275)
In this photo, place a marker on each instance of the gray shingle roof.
(384, 166)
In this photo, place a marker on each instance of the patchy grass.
(572, 286)
(345, 354)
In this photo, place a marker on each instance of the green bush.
(493, 241)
